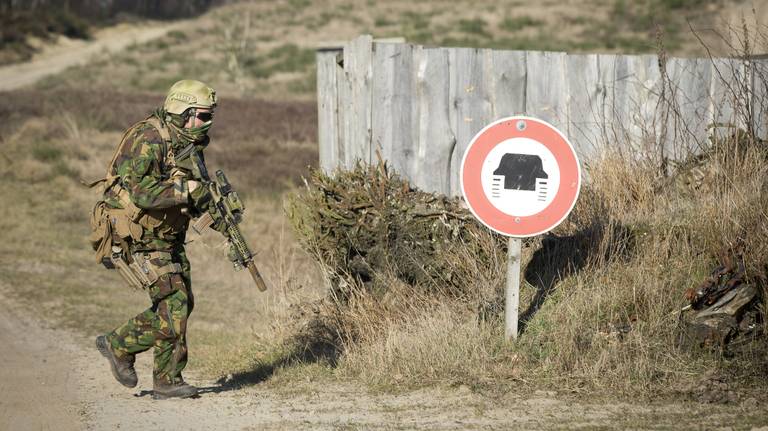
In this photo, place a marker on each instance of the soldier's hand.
(193, 185)
(178, 173)
(199, 195)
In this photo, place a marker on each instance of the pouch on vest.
(112, 227)
(101, 233)
(127, 219)
(118, 260)
(144, 270)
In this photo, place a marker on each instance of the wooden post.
(512, 295)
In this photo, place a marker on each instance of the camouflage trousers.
(163, 326)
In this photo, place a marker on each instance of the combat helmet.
(189, 93)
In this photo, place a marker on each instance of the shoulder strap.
(109, 180)
(157, 124)
(119, 149)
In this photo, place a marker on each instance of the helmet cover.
(189, 93)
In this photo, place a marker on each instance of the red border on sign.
(521, 226)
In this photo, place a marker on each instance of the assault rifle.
(224, 214)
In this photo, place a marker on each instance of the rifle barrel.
(256, 276)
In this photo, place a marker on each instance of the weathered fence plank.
(327, 108)
(645, 99)
(760, 97)
(392, 88)
(470, 101)
(728, 95)
(422, 106)
(436, 141)
(357, 102)
(584, 102)
(606, 77)
(547, 94)
(689, 82)
(631, 104)
(506, 78)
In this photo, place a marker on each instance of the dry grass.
(409, 340)
(601, 294)
(262, 143)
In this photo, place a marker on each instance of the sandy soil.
(55, 380)
(65, 53)
(35, 382)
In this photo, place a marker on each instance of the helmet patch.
(184, 97)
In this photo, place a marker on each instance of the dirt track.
(34, 381)
(52, 380)
(55, 380)
(67, 52)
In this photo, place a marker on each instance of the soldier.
(153, 191)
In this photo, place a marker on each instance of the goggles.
(204, 116)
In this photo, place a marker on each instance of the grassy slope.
(266, 49)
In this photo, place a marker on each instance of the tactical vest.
(130, 224)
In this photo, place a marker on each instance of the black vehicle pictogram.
(520, 171)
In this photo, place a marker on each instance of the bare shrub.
(368, 222)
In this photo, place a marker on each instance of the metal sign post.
(512, 292)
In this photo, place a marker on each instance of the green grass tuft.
(519, 22)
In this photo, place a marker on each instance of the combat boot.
(179, 389)
(122, 368)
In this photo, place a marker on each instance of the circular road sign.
(520, 176)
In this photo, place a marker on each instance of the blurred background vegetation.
(21, 20)
(266, 49)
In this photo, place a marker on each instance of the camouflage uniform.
(158, 187)
(156, 181)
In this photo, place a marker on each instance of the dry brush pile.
(396, 256)
(416, 283)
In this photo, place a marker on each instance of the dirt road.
(55, 380)
(35, 382)
(68, 52)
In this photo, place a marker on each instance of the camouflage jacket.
(155, 184)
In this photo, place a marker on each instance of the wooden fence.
(421, 106)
